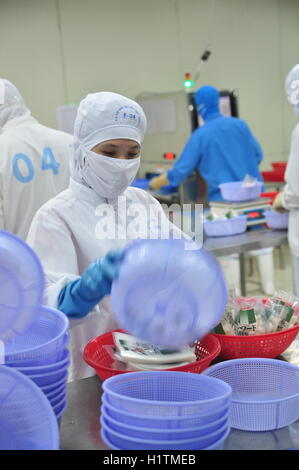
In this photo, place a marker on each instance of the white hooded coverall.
(67, 232)
(34, 162)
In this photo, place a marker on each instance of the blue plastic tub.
(27, 421)
(162, 422)
(159, 393)
(160, 295)
(236, 192)
(276, 220)
(44, 341)
(127, 443)
(163, 434)
(265, 392)
(225, 228)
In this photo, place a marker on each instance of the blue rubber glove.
(79, 297)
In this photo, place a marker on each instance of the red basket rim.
(210, 337)
(252, 337)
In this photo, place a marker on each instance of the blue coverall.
(223, 149)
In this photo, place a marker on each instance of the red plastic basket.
(270, 345)
(276, 175)
(279, 165)
(96, 356)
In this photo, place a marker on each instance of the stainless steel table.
(240, 244)
(80, 427)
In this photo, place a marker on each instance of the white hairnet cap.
(106, 116)
(12, 104)
(292, 85)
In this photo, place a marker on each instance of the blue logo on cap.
(127, 115)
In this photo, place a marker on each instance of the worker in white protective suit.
(288, 199)
(34, 162)
(74, 233)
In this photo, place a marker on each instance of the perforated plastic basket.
(64, 363)
(27, 421)
(218, 445)
(265, 392)
(276, 220)
(96, 355)
(50, 395)
(160, 293)
(225, 228)
(162, 422)
(58, 399)
(48, 378)
(269, 345)
(165, 393)
(124, 442)
(21, 285)
(163, 434)
(61, 406)
(44, 341)
(236, 192)
(55, 385)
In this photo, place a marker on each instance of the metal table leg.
(242, 274)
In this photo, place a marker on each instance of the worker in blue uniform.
(223, 149)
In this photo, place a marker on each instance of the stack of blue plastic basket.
(41, 353)
(165, 411)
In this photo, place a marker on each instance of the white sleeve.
(290, 196)
(52, 242)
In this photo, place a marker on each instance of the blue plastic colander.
(265, 392)
(55, 385)
(162, 422)
(162, 393)
(162, 294)
(42, 343)
(237, 192)
(48, 378)
(217, 445)
(35, 370)
(58, 399)
(226, 227)
(27, 420)
(124, 442)
(54, 393)
(163, 434)
(60, 407)
(21, 285)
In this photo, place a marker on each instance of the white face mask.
(107, 176)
